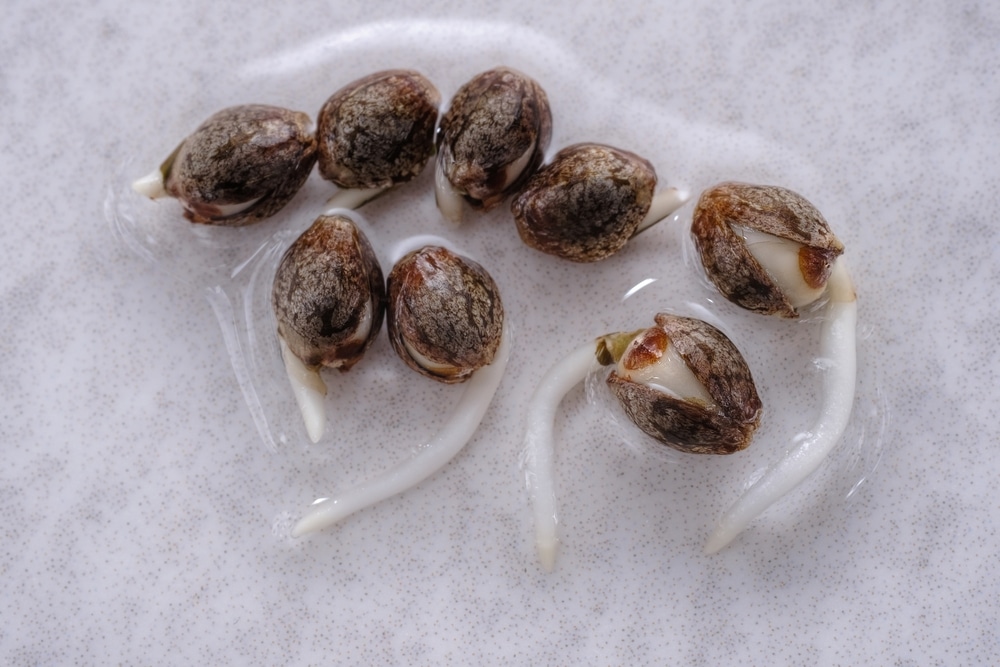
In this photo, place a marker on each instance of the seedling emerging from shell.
(490, 140)
(682, 382)
(329, 299)
(590, 201)
(769, 250)
(445, 321)
(241, 165)
(375, 133)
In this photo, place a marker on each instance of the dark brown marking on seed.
(241, 154)
(448, 309)
(648, 347)
(326, 281)
(378, 131)
(493, 121)
(586, 204)
(816, 265)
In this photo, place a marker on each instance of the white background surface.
(142, 520)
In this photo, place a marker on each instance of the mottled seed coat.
(379, 130)
(327, 284)
(253, 154)
(448, 309)
(690, 425)
(586, 204)
(494, 120)
(770, 209)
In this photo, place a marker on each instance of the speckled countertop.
(144, 518)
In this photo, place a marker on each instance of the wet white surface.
(145, 505)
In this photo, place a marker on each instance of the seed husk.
(378, 131)
(445, 316)
(242, 165)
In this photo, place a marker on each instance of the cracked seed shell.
(724, 426)
(770, 209)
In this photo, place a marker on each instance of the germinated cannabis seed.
(241, 165)
(329, 294)
(379, 130)
(445, 316)
(494, 136)
(717, 417)
(769, 250)
(586, 204)
(720, 225)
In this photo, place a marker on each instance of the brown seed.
(241, 165)
(494, 135)
(586, 204)
(329, 294)
(445, 316)
(772, 210)
(725, 425)
(379, 130)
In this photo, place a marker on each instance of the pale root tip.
(539, 446)
(305, 525)
(309, 392)
(716, 542)
(315, 419)
(665, 203)
(150, 185)
(352, 198)
(448, 200)
(547, 555)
